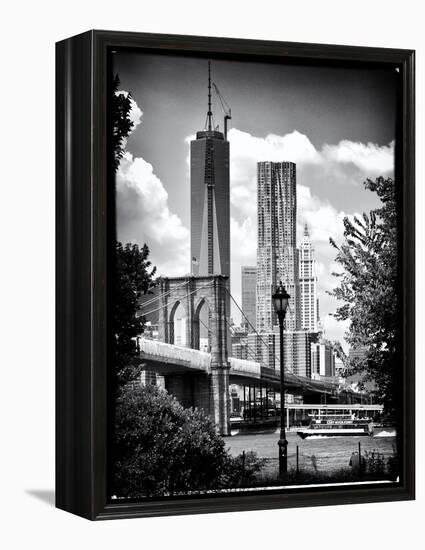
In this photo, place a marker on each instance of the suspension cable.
(246, 318)
(259, 336)
(252, 353)
(182, 298)
(248, 350)
(162, 295)
(303, 381)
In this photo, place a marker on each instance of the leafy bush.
(242, 470)
(161, 448)
(374, 463)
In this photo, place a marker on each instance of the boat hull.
(332, 433)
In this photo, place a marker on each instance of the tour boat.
(326, 425)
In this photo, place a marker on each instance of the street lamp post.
(280, 301)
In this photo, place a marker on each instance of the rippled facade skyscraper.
(277, 255)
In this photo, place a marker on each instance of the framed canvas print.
(235, 275)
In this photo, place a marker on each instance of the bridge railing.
(170, 352)
(247, 367)
(200, 360)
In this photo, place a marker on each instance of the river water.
(324, 453)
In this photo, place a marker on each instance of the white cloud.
(373, 159)
(144, 216)
(335, 330)
(143, 212)
(294, 147)
(321, 217)
(247, 150)
(243, 251)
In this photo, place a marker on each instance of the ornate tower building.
(308, 284)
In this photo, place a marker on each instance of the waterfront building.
(296, 350)
(149, 377)
(339, 366)
(240, 350)
(249, 296)
(235, 400)
(238, 333)
(309, 304)
(322, 358)
(151, 331)
(262, 348)
(239, 344)
(277, 256)
(256, 349)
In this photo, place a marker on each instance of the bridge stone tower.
(209, 392)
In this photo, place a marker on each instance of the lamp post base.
(283, 457)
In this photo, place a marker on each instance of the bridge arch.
(201, 324)
(172, 328)
(196, 294)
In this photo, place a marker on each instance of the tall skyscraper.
(308, 284)
(249, 294)
(277, 256)
(322, 358)
(210, 199)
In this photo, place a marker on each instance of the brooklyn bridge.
(203, 379)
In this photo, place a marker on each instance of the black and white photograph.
(212, 232)
(255, 295)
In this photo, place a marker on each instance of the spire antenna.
(209, 114)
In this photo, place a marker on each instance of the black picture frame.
(84, 216)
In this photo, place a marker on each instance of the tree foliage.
(134, 276)
(243, 469)
(121, 122)
(368, 288)
(162, 448)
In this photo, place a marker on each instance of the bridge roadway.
(169, 359)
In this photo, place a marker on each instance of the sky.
(336, 124)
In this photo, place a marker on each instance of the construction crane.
(226, 108)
